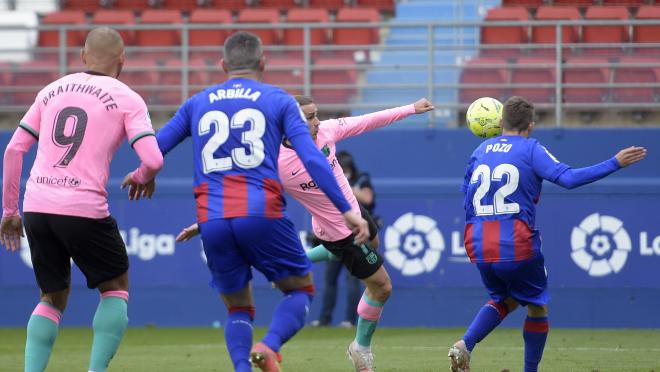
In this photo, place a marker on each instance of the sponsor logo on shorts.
(66, 181)
(413, 244)
(600, 245)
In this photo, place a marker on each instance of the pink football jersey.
(327, 222)
(79, 120)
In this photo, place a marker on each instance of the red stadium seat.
(117, 17)
(172, 79)
(605, 34)
(548, 34)
(356, 36)
(181, 5)
(647, 33)
(230, 4)
(296, 36)
(527, 3)
(132, 4)
(31, 77)
(215, 38)
(534, 71)
(334, 71)
(643, 73)
(266, 16)
(579, 3)
(141, 76)
(484, 71)
(65, 17)
(381, 5)
(85, 5)
(280, 4)
(585, 75)
(287, 73)
(505, 34)
(328, 4)
(170, 37)
(624, 2)
(5, 80)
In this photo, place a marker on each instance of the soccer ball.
(483, 117)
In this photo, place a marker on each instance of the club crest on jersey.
(325, 150)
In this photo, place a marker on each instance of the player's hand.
(630, 155)
(137, 190)
(358, 225)
(423, 105)
(11, 231)
(187, 233)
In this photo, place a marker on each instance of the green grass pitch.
(323, 350)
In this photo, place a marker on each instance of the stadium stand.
(17, 45)
(356, 36)
(492, 35)
(65, 17)
(266, 16)
(316, 36)
(636, 70)
(578, 71)
(538, 76)
(607, 33)
(117, 17)
(488, 76)
(207, 37)
(647, 33)
(334, 71)
(40, 6)
(548, 34)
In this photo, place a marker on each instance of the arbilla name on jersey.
(58, 181)
(311, 184)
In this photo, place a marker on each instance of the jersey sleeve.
(468, 175)
(31, 121)
(545, 164)
(176, 130)
(137, 122)
(19, 144)
(352, 126)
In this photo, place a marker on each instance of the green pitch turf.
(323, 350)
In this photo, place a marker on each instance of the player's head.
(347, 163)
(518, 116)
(311, 113)
(104, 51)
(243, 53)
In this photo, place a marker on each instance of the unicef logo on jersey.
(413, 244)
(600, 245)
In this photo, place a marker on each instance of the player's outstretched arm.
(573, 178)
(354, 125)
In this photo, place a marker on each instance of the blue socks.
(535, 332)
(238, 337)
(489, 317)
(289, 317)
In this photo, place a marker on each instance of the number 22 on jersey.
(251, 138)
(500, 206)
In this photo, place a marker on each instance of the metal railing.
(435, 60)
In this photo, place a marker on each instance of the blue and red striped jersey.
(237, 128)
(502, 186)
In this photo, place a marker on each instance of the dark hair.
(518, 114)
(243, 51)
(345, 160)
(304, 100)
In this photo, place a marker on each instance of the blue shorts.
(525, 281)
(234, 245)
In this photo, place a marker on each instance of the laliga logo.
(413, 244)
(600, 245)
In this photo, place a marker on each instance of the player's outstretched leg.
(535, 333)
(370, 308)
(42, 330)
(320, 254)
(486, 320)
(288, 318)
(110, 321)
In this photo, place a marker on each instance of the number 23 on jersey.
(250, 138)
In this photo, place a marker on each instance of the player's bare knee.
(57, 299)
(292, 283)
(536, 311)
(511, 304)
(119, 283)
